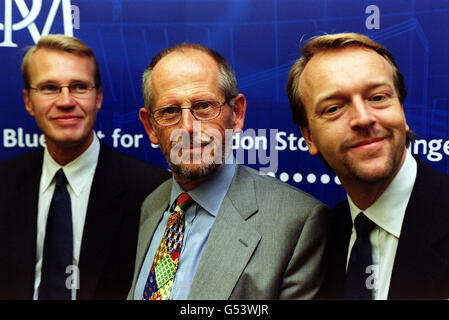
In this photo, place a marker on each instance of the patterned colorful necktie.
(160, 279)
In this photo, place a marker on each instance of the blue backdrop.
(261, 39)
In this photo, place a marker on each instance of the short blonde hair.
(63, 43)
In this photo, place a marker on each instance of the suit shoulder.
(159, 197)
(430, 190)
(135, 166)
(339, 214)
(341, 207)
(267, 185)
(428, 175)
(19, 163)
(430, 195)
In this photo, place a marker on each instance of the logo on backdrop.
(70, 16)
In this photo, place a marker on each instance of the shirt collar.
(209, 194)
(77, 171)
(389, 209)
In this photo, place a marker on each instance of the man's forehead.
(184, 69)
(335, 63)
(185, 58)
(46, 65)
(43, 57)
(44, 51)
(325, 61)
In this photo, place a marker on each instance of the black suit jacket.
(109, 239)
(421, 266)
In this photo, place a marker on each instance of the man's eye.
(201, 105)
(79, 87)
(49, 88)
(379, 97)
(171, 110)
(331, 110)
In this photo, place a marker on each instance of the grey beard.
(185, 174)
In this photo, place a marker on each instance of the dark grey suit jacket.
(110, 232)
(267, 241)
(421, 266)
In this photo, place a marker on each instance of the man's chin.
(374, 172)
(191, 172)
(69, 141)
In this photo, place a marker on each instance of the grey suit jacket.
(267, 242)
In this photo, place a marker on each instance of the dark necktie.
(356, 285)
(58, 246)
(165, 264)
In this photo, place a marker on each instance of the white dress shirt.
(80, 173)
(387, 213)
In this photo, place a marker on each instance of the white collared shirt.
(387, 213)
(80, 173)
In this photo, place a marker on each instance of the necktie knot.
(363, 225)
(184, 201)
(60, 178)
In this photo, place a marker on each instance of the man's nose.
(65, 98)
(187, 120)
(361, 114)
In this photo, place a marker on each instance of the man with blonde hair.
(69, 211)
(389, 239)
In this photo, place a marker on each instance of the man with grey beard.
(217, 230)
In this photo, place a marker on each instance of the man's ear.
(239, 111)
(407, 128)
(307, 134)
(145, 118)
(28, 104)
(99, 98)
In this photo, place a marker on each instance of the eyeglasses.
(77, 89)
(202, 110)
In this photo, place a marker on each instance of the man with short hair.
(389, 239)
(217, 230)
(69, 211)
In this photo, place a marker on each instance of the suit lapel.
(104, 212)
(420, 270)
(153, 209)
(231, 242)
(24, 224)
(339, 226)
(150, 219)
